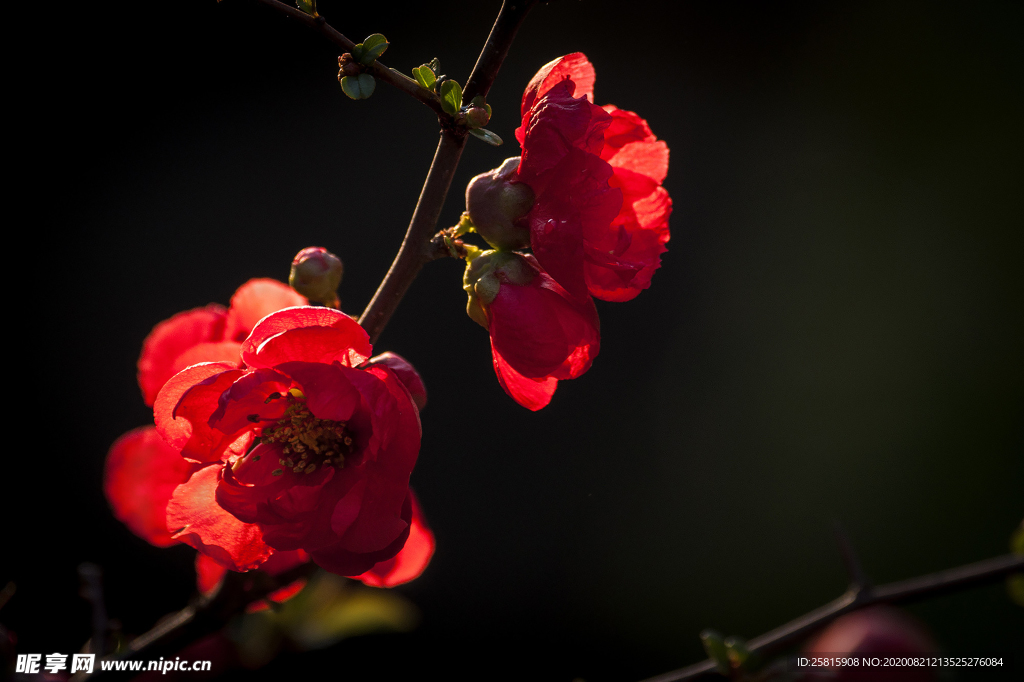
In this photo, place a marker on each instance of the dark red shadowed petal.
(406, 373)
(184, 405)
(533, 394)
(256, 299)
(158, 361)
(253, 398)
(307, 334)
(411, 561)
(344, 561)
(141, 473)
(195, 518)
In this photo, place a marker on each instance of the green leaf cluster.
(367, 52)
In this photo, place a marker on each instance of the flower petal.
(195, 518)
(163, 346)
(406, 373)
(140, 475)
(575, 67)
(185, 427)
(411, 561)
(533, 394)
(308, 334)
(256, 299)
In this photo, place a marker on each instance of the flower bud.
(477, 117)
(497, 204)
(316, 274)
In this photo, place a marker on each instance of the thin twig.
(899, 592)
(379, 71)
(205, 615)
(415, 251)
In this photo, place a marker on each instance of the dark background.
(835, 333)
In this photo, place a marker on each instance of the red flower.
(585, 195)
(876, 630)
(208, 334)
(330, 472)
(539, 333)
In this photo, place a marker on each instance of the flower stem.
(415, 250)
(378, 70)
(892, 593)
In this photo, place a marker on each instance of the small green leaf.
(373, 47)
(358, 52)
(358, 87)
(486, 135)
(435, 65)
(307, 6)
(424, 76)
(714, 646)
(479, 101)
(451, 97)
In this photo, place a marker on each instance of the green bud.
(307, 6)
(497, 205)
(424, 76)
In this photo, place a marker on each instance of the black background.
(835, 333)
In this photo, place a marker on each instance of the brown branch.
(899, 592)
(204, 616)
(415, 251)
(378, 70)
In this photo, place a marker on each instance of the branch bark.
(899, 592)
(415, 251)
(379, 71)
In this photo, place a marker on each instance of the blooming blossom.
(329, 473)
(585, 195)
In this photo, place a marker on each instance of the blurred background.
(835, 333)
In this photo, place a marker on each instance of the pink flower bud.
(316, 274)
(497, 204)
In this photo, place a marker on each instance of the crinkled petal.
(139, 478)
(195, 518)
(308, 334)
(158, 361)
(256, 299)
(411, 561)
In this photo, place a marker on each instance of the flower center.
(308, 443)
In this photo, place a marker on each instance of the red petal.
(308, 334)
(533, 394)
(343, 561)
(406, 373)
(195, 518)
(256, 299)
(184, 405)
(169, 339)
(541, 331)
(209, 574)
(409, 563)
(140, 475)
(574, 67)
